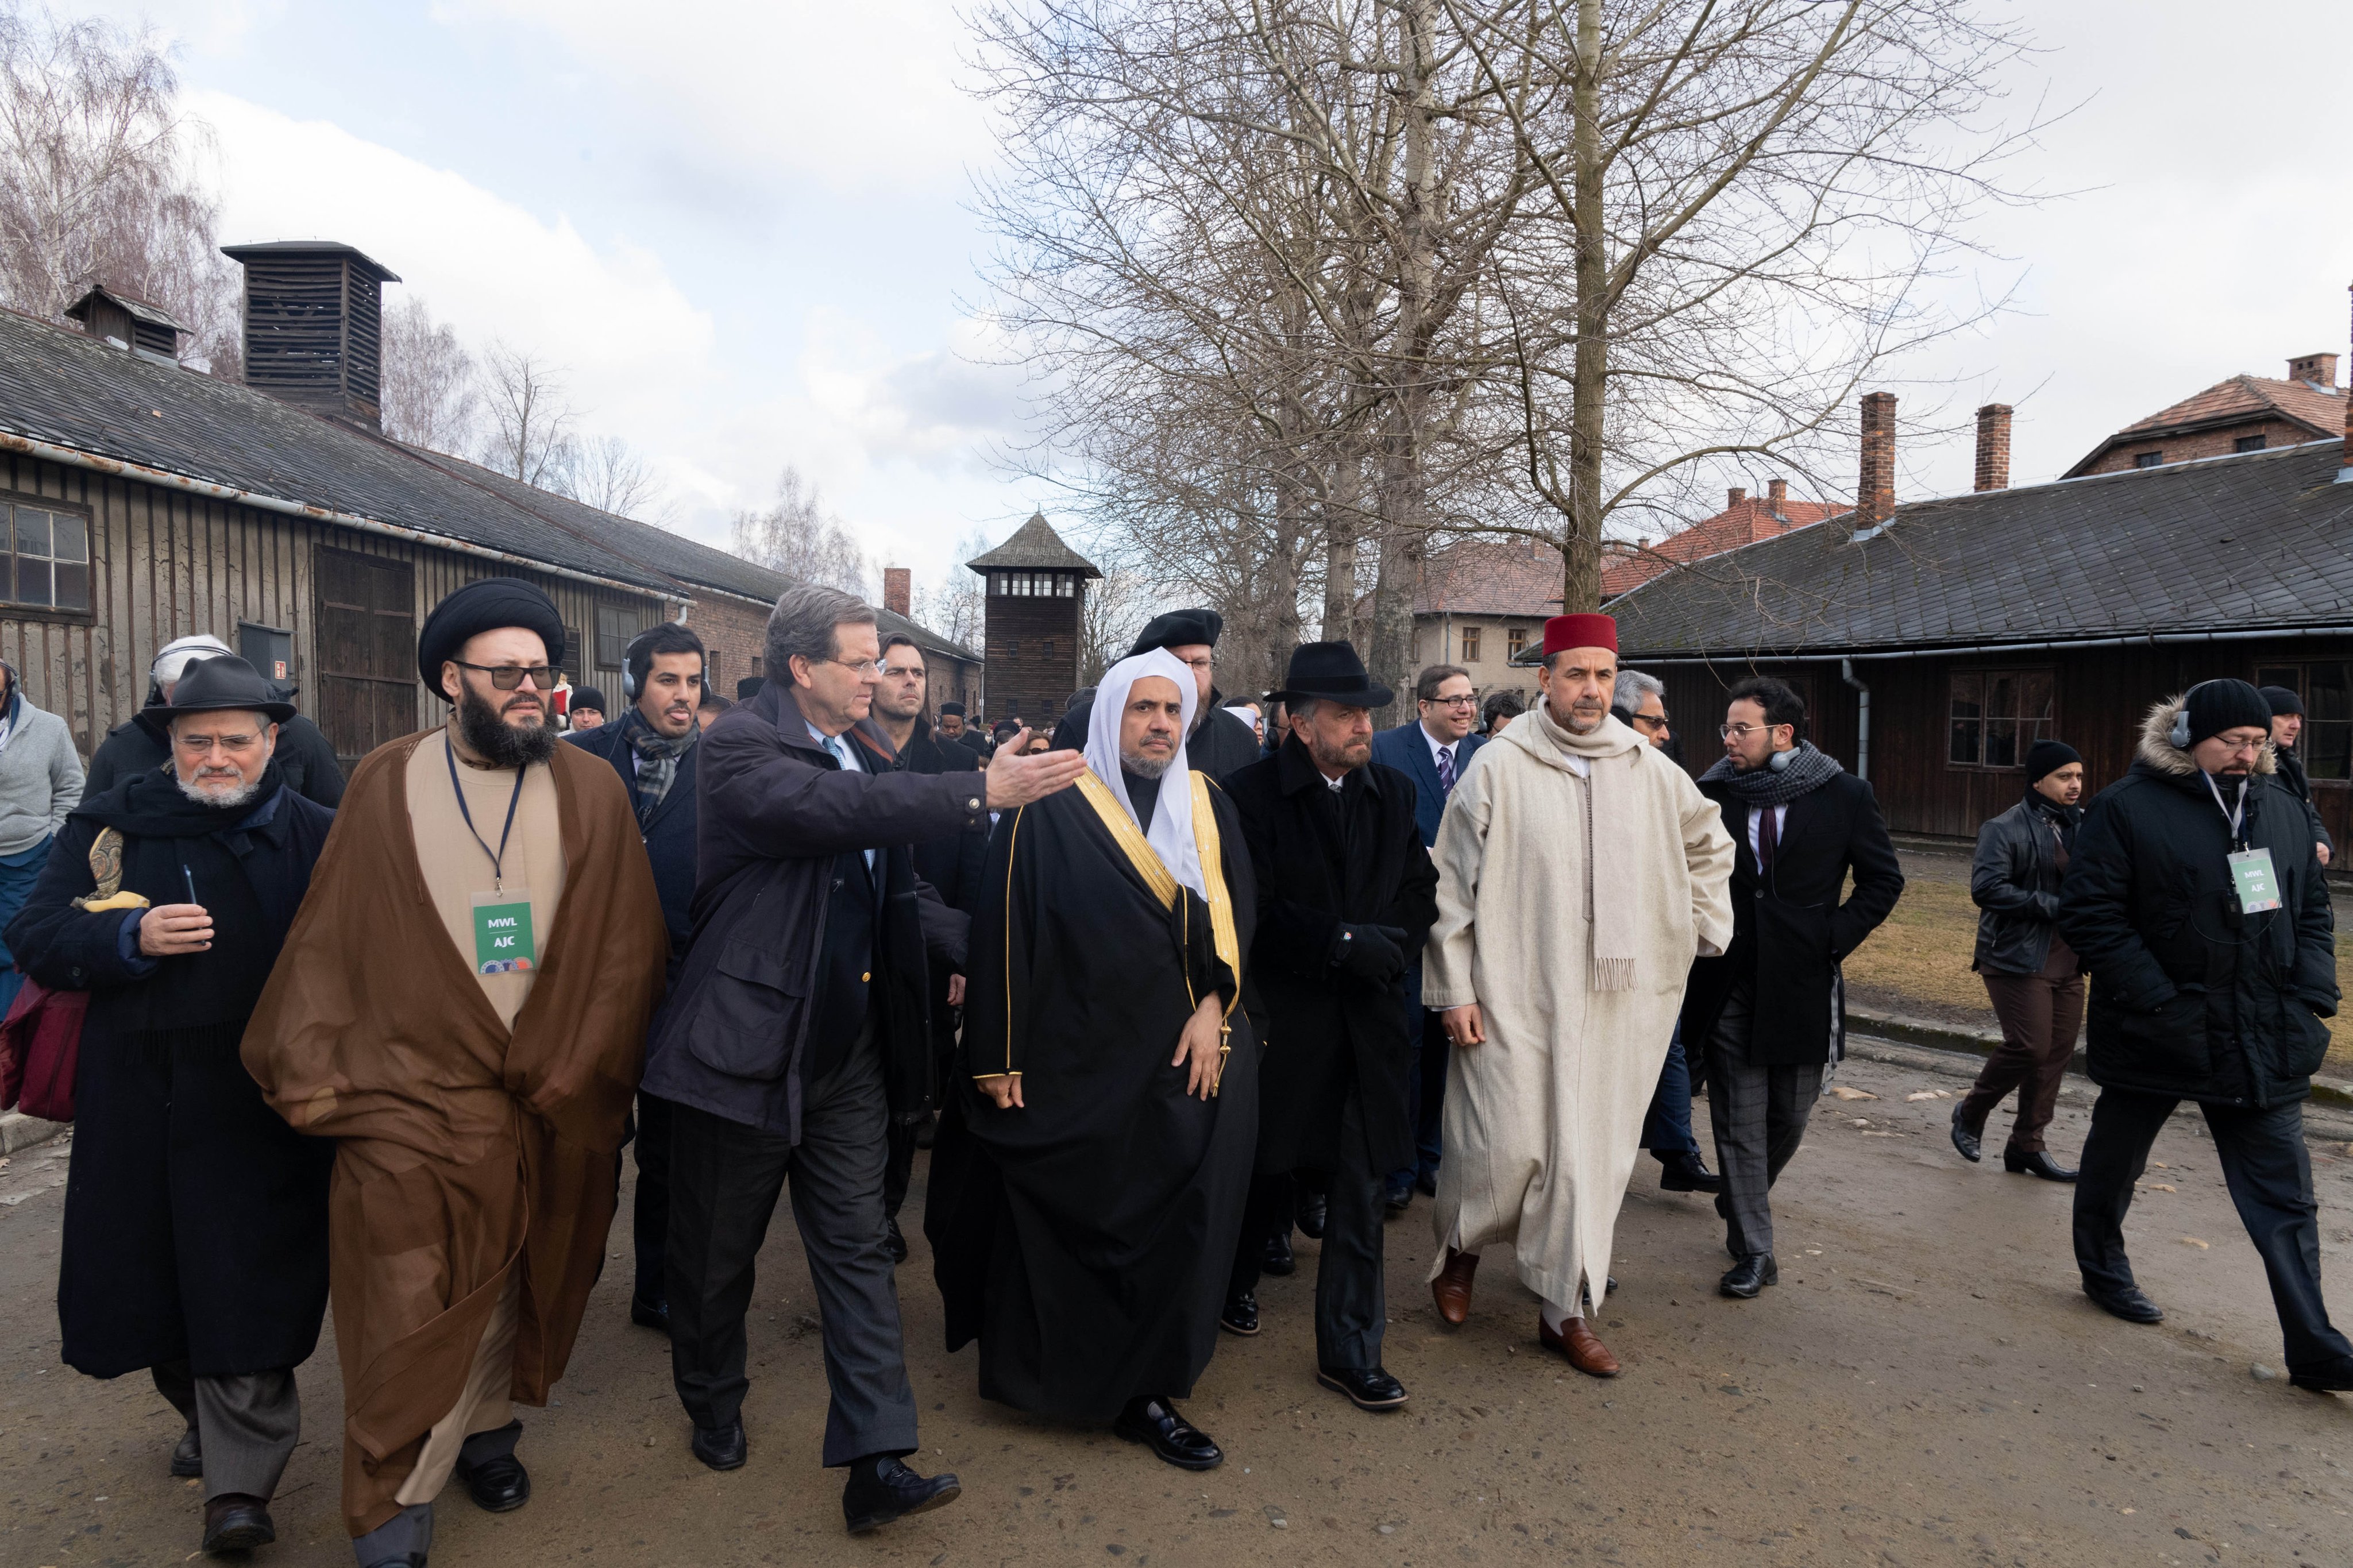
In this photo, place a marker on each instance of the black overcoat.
(195, 1218)
(1790, 930)
(2190, 998)
(1327, 1032)
(668, 835)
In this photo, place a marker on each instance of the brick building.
(1034, 609)
(2244, 413)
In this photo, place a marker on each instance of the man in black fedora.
(1345, 894)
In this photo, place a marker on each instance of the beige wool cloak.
(1543, 1120)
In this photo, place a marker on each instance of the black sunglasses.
(507, 676)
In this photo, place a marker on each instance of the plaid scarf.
(1809, 769)
(658, 756)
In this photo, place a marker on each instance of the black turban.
(1180, 629)
(485, 605)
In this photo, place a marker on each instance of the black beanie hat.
(486, 604)
(2281, 699)
(588, 696)
(2215, 705)
(2046, 757)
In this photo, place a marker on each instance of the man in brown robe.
(477, 1114)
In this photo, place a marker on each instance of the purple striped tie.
(1446, 770)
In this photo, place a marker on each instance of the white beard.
(236, 797)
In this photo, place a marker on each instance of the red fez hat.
(1564, 632)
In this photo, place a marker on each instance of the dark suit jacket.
(669, 838)
(1789, 931)
(1328, 1033)
(1407, 750)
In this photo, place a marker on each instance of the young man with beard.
(1772, 1011)
(951, 865)
(652, 749)
(473, 867)
(195, 1224)
(2197, 902)
(1578, 872)
(1088, 1188)
(2032, 977)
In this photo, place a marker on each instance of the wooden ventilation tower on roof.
(1034, 608)
(314, 326)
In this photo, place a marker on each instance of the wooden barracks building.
(142, 501)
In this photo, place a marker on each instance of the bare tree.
(797, 537)
(531, 417)
(608, 473)
(1113, 610)
(430, 397)
(99, 179)
(955, 605)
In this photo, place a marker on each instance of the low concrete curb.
(19, 1130)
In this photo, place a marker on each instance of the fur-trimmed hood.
(2157, 749)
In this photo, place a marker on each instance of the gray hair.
(803, 624)
(1632, 687)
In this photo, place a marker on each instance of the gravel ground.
(1927, 1385)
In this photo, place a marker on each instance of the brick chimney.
(2320, 370)
(1993, 447)
(1735, 496)
(897, 591)
(1777, 491)
(1874, 500)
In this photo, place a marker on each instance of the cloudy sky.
(742, 225)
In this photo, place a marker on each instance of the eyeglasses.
(205, 745)
(1742, 732)
(1653, 720)
(1463, 701)
(864, 668)
(507, 676)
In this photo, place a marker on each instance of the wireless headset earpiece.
(2179, 733)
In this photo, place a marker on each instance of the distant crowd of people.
(1159, 991)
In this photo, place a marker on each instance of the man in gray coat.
(798, 1029)
(40, 782)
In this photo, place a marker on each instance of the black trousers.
(725, 1179)
(2269, 1171)
(1351, 1301)
(649, 1212)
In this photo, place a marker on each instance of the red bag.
(40, 1050)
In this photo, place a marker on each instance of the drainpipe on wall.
(1862, 718)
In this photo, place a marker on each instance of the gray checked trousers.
(1759, 1115)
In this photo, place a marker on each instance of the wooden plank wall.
(166, 564)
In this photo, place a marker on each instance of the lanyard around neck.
(497, 857)
(2234, 816)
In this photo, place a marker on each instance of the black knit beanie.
(2046, 757)
(2217, 705)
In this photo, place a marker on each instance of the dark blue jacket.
(1407, 750)
(669, 838)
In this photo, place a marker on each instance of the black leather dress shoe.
(893, 1242)
(1425, 1183)
(648, 1314)
(501, 1484)
(2327, 1377)
(1156, 1423)
(2127, 1303)
(1311, 1211)
(1277, 1259)
(927, 1131)
(1397, 1198)
(188, 1457)
(721, 1447)
(1240, 1315)
(1967, 1139)
(2039, 1164)
(888, 1490)
(1687, 1172)
(1746, 1278)
(1369, 1388)
(234, 1522)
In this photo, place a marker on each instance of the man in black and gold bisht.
(1087, 1190)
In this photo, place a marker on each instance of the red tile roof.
(1490, 577)
(1626, 566)
(2318, 409)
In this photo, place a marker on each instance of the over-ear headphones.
(1780, 760)
(2179, 733)
(629, 664)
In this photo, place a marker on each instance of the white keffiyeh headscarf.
(1170, 831)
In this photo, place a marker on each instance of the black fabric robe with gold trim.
(1085, 1238)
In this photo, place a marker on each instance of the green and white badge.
(502, 940)
(2258, 884)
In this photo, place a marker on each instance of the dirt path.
(1926, 1386)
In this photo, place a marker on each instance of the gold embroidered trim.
(1146, 861)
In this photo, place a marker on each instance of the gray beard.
(1146, 767)
(236, 797)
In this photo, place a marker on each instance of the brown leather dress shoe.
(1451, 1289)
(1574, 1340)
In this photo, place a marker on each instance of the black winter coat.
(668, 837)
(2190, 998)
(195, 1220)
(2292, 778)
(1789, 931)
(2014, 881)
(1326, 1032)
(138, 745)
(773, 811)
(955, 863)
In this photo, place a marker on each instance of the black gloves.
(1375, 954)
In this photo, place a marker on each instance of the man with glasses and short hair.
(2196, 899)
(474, 868)
(1431, 749)
(1771, 1012)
